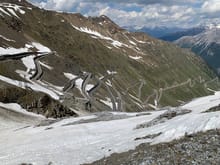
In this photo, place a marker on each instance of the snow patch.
(89, 86)
(4, 12)
(6, 39)
(133, 43)
(27, 48)
(70, 76)
(107, 102)
(79, 83)
(11, 51)
(40, 47)
(117, 44)
(29, 63)
(111, 72)
(12, 12)
(45, 65)
(12, 9)
(96, 34)
(135, 57)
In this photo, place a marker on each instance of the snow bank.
(70, 76)
(74, 143)
(40, 47)
(11, 50)
(29, 63)
(87, 142)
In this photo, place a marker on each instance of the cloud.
(211, 6)
(147, 2)
(185, 13)
(58, 4)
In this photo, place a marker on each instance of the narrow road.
(18, 56)
(84, 84)
(70, 85)
(99, 83)
(158, 93)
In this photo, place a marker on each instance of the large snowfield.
(72, 142)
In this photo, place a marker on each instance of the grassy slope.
(171, 64)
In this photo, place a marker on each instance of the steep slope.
(92, 64)
(206, 44)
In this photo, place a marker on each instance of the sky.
(139, 13)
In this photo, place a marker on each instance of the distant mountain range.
(206, 44)
(187, 32)
(157, 31)
(203, 40)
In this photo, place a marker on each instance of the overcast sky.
(181, 13)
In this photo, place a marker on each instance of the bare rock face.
(50, 108)
(38, 103)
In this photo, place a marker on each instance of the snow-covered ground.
(62, 143)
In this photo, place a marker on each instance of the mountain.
(206, 44)
(157, 31)
(73, 64)
(66, 82)
(188, 32)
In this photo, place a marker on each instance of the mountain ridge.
(206, 44)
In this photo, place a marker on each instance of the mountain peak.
(107, 23)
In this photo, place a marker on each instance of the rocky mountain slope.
(206, 44)
(79, 64)
(200, 148)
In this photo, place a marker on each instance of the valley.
(78, 89)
